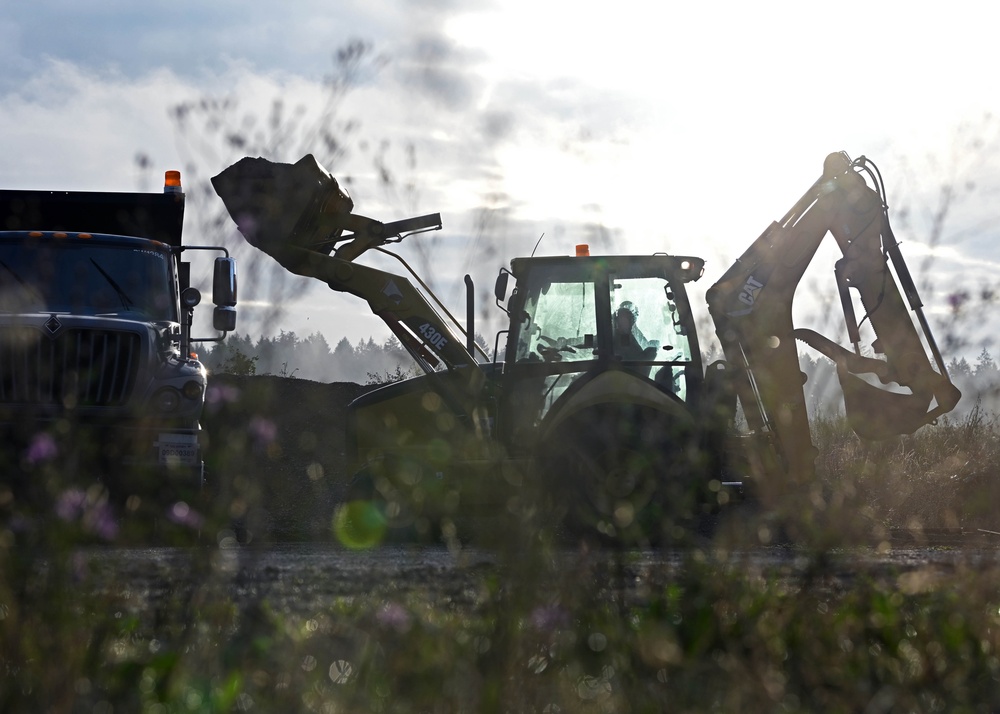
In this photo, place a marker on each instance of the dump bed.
(157, 216)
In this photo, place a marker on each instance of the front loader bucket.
(278, 205)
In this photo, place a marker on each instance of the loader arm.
(297, 214)
(752, 309)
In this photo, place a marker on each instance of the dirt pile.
(275, 453)
(276, 461)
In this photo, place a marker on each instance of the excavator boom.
(752, 309)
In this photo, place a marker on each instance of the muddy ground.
(303, 578)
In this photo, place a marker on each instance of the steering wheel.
(551, 353)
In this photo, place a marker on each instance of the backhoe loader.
(601, 416)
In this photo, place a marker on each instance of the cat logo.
(749, 292)
(392, 292)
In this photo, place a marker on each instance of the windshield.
(647, 327)
(561, 323)
(85, 278)
(570, 315)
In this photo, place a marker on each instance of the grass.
(942, 476)
(716, 632)
(713, 636)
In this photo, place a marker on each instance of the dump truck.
(598, 411)
(97, 360)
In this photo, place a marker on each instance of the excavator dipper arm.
(752, 309)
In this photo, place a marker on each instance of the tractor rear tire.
(628, 475)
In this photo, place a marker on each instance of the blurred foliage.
(716, 626)
(712, 633)
(396, 375)
(240, 364)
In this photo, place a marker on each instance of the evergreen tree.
(985, 366)
(344, 350)
(959, 368)
(345, 361)
(315, 358)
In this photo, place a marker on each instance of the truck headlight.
(166, 400)
(192, 390)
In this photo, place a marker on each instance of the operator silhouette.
(630, 343)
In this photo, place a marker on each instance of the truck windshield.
(85, 278)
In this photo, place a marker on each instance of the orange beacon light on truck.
(172, 182)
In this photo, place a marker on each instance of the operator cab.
(574, 318)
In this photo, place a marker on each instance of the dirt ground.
(275, 452)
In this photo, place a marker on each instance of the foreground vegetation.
(716, 636)
(715, 630)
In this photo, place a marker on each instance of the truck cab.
(96, 351)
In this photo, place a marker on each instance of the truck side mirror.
(224, 318)
(224, 286)
(500, 289)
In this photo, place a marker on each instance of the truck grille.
(84, 368)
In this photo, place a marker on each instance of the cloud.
(71, 129)
(194, 39)
(511, 119)
(434, 65)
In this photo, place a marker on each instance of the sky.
(686, 128)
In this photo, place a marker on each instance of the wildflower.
(100, 520)
(42, 448)
(95, 514)
(217, 395)
(548, 618)
(182, 514)
(957, 300)
(70, 504)
(393, 615)
(263, 431)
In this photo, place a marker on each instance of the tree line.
(287, 355)
(371, 362)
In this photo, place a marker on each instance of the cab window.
(561, 323)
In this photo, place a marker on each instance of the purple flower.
(42, 448)
(548, 618)
(263, 431)
(70, 504)
(393, 615)
(96, 517)
(218, 395)
(100, 520)
(184, 515)
(957, 300)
